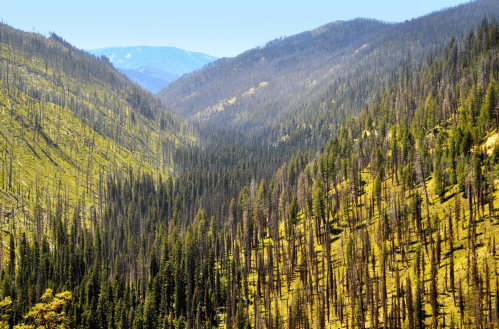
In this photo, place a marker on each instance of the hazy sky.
(218, 28)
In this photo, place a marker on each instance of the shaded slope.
(149, 78)
(349, 59)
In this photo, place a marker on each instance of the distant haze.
(316, 78)
(154, 67)
(221, 28)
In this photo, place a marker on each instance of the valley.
(345, 177)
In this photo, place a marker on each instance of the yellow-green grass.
(56, 154)
(487, 229)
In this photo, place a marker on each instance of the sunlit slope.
(69, 119)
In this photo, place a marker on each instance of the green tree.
(240, 319)
(438, 175)
(180, 291)
(319, 206)
(419, 313)
(488, 106)
(47, 314)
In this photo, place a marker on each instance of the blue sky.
(218, 28)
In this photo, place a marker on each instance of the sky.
(218, 28)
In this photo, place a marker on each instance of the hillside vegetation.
(305, 86)
(68, 120)
(392, 224)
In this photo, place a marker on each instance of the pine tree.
(409, 304)
(419, 313)
(489, 104)
(439, 188)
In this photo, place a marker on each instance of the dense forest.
(390, 224)
(128, 217)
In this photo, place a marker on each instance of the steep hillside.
(262, 80)
(154, 67)
(328, 73)
(392, 224)
(68, 121)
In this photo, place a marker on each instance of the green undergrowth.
(67, 122)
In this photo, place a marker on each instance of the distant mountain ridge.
(314, 80)
(154, 67)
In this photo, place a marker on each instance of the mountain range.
(317, 78)
(154, 67)
(345, 177)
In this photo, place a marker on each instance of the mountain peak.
(154, 67)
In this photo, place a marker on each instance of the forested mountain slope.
(308, 84)
(69, 119)
(392, 224)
